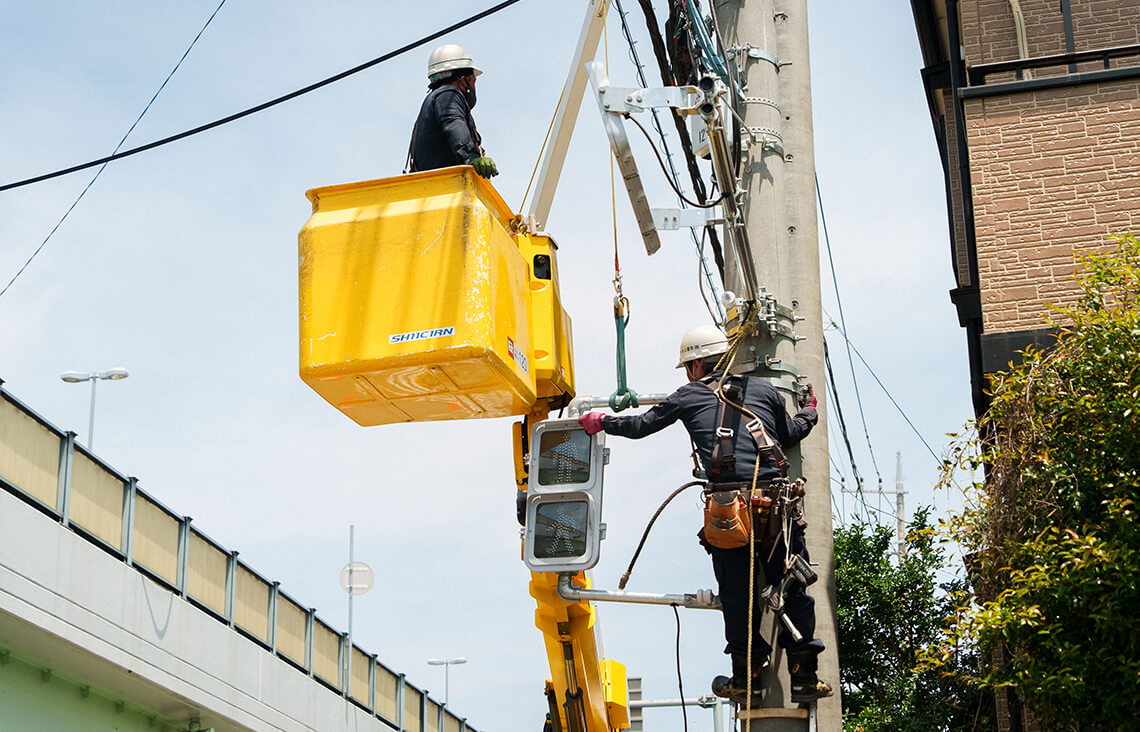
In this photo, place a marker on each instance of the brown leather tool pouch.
(727, 519)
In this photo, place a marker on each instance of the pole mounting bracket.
(757, 53)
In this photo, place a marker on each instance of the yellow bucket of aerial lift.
(415, 300)
(550, 327)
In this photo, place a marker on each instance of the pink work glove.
(812, 400)
(591, 422)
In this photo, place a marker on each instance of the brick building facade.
(1048, 93)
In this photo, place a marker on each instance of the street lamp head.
(445, 661)
(113, 374)
(74, 377)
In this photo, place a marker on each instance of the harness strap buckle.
(724, 432)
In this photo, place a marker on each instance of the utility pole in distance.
(767, 42)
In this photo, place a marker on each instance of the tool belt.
(732, 510)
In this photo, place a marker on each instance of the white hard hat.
(449, 57)
(701, 342)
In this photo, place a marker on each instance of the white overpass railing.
(46, 467)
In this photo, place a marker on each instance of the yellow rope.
(542, 149)
(613, 186)
(751, 591)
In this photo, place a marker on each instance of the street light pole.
(447, 663)
(76, 377)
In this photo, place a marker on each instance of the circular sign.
(361, 578)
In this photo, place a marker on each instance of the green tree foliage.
(889, 611)
(1053, 530)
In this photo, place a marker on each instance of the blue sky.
(180, 265)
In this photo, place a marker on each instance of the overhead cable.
(103, 167)
(839, 413)
(842, 320)
(271, 103)
(705, 42)
(885, 391)
(686, 144)
(672, 183)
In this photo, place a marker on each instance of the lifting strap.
(623, 397)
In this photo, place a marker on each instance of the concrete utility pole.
(768, 44)
(900, 505)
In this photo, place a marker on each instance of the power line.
(271, 103)
(833, 390)
(884, 388)
(839, 413)
(104, 166)
(693, 172)
(842, 319)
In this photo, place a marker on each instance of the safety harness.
(739, 513)
(753, 513)
(722, 461)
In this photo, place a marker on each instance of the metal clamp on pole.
(757, 53)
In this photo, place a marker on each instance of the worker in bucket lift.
(734, 459)
(444, 133)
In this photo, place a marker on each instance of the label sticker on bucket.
(518, 356)
(421, 335)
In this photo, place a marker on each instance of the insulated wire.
(271, 103)
(837, 513)
(884, 388)
(672, 183)
(640, 69)
(839, 301)
(702, 269)
(839, 412)
(104, 166)
(834, 391)
(700, 32)
(680, 685)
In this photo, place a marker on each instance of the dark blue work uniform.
(698, 407)
(445, 133)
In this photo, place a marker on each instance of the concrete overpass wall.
(117, 613)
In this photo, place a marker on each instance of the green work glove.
(485, 167)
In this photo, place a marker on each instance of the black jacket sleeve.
(453, 115)
(790, 430)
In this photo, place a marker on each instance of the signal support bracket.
(618, 100)
(671, 219)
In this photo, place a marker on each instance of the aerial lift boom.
(458, 315)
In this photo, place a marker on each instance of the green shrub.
(1052, 531)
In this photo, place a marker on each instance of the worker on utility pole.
(444, 133)
(731, 421)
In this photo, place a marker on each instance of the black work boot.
(806, 686)
(735, 687)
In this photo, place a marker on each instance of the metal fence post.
(372, 684)
(129, 493)
(274, 590)
(231, 586)
(342, 665)
(401, 682)
(183, 554)
(310, 630)
(63, 484)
